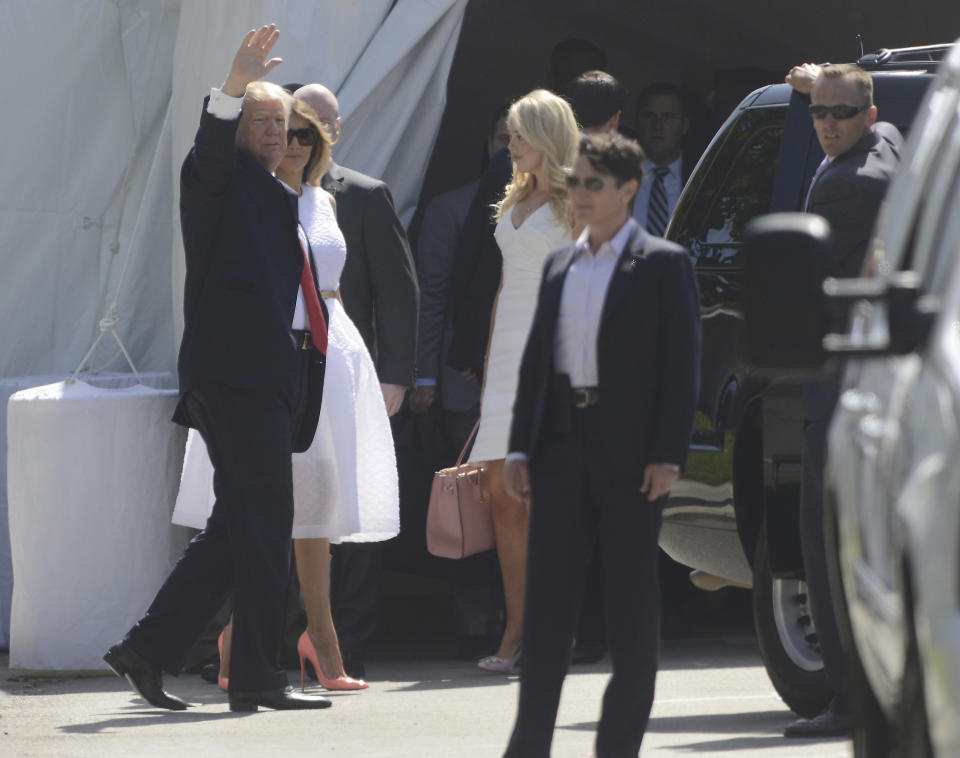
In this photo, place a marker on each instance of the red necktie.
(318, 324)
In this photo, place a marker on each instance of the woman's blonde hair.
(320, 152)
(547, 123)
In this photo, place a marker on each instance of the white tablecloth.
(92, 475)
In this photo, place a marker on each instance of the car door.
(869, 453)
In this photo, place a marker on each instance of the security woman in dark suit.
(601, 425)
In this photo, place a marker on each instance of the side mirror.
(782, 291)
(910, 314)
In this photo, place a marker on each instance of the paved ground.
(713, 699)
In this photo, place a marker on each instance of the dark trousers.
(815, 558)
(244, 551)
(578, 499)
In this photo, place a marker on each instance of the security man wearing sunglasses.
(847, 189)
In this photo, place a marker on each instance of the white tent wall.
(96, 74)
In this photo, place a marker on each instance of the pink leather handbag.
(459, 523)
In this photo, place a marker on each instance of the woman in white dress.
(345, 484)
(533, 219)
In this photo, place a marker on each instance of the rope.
(107, 324)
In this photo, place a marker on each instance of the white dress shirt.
(581, 306)
(672, 184)
(226, 107)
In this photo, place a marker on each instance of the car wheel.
(870, 731)
(786, 637)
(913, 732)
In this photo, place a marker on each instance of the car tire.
(786, 637)
(870, 731)
(913, 730)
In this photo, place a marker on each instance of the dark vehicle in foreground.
(735, 513)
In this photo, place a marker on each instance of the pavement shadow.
(137, 719)
(468, 681)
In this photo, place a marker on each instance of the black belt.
(302, 339)
(584, 397)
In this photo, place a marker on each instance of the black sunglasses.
(305, 136)
(839, 112)
(591, 183)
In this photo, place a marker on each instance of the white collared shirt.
(581, 306)
(672, 183)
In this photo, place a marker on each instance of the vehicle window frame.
(691, 216)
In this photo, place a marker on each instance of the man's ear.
(871, 115)
(686, 127)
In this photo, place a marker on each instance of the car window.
(730, 183)
(899, 226)
(930, 257)
(748, 187)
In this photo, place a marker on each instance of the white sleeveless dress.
(524, 251)
(345, 485)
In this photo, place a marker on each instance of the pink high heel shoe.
(306, 651)
(498, 665)
(223, 682)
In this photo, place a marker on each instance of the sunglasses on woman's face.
(839, 112)
(590, 183)
(305, 136)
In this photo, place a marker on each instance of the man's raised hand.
(251, 61)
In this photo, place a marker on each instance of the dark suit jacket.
(379, 281)
(243, 266)
(442, 222)
(477, 266)
(848, 193)
(648, 353)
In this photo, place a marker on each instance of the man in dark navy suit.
(861, 155)
(601, 425)
(248, 361)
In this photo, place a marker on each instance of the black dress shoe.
(280, 699)
(830, 723)
(145, 678)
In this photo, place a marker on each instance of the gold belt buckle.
(584, 397)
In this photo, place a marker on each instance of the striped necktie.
(657, 213)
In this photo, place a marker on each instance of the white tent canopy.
(99, 113)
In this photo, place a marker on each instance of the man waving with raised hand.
(245, 362)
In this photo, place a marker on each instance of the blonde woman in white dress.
(533, 219)
(345, 484)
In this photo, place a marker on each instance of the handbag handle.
(466, 445)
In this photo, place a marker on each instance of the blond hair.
(546, 122)
(258, 92)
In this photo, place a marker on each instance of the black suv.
(735, 514)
